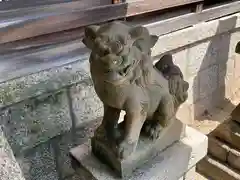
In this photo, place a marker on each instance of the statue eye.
(123, 40)
(117, 47)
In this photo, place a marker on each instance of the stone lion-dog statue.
(125, 78)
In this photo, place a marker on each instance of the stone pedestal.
(173, 163)
(146, 149)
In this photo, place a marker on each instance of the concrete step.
(229, 132)
(215, 170)
(223, 152)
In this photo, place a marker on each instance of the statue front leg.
(110, 123)
(135, 117)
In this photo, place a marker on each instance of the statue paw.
(152, 130)
(125, 149)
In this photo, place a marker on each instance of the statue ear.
(153, 40)
(88, 42)
(139, 31)
(90, 34)
(91, 31)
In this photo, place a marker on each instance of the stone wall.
(46, 113)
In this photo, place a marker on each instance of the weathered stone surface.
(43, 82)
(203, 55)
(208, 81)
(81, 174)
(234, 159)
(146, 149)
(229, 131)
(180, 59)
(196, 33)
(218, 149)
(170, 164)
(9, 167)
(215, 170)
(39, 163)
(202, 106)
(194, 90)
(86, 105)
(32, 122)
(65, 142)
(226, 73)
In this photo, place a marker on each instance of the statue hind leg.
(163, 117)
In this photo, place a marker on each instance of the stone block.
(215, 170)
(32, 122)
(86, 105)
(46, 81)
(39, 163)
(81, 174)
(203, 55)
(62, 145)
(234, 159)
(218, 149)
(146, 149)
(193, 91)
(170, 164)
(180, 59)
(9, 167)
(202, 107)
(208, 81)
(196, 33)
(224, 48)
(226, 73)
(236, 59)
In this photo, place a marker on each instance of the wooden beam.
(169, 25)
(13, 5)
(30, 22)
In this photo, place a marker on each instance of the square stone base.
(171, 164)
(146, 149)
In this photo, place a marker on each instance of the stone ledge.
(183, 154)
(196, 34)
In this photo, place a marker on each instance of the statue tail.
(163, 61)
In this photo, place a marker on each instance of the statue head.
(112, 43)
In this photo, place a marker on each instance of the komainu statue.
(125, 79)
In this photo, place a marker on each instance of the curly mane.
(142, 72)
